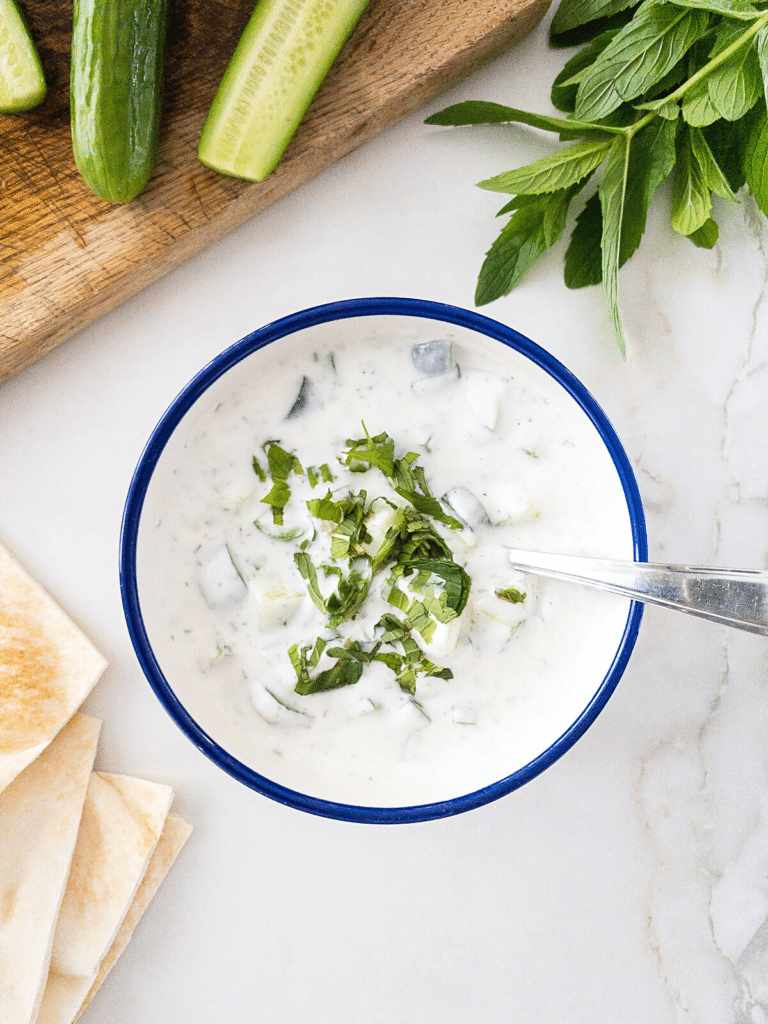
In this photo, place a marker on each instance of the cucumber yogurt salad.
(327, 586)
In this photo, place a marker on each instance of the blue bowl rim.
(220, 364)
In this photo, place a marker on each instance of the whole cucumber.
(116, 83)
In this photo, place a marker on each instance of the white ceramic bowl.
(549, 717)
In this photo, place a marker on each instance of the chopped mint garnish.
(416, 571)
(510, 594)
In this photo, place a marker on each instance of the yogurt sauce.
(224, 601)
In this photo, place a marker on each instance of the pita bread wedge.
(47, 668)
(120, 827)
(67, 996)
(40, 815)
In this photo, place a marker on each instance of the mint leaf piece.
(697, 107)
(347, 670)
(370, 451)
(612, 193)
(565, 85)
(728, 141)
(761, 49)
(711, 172)
(574, 13)
(706, 236)
(559, 170)
(583, 257)
(511, 594)
(736, 86)
(638, 57)
(756, 163)
(651, 160)
(521, 242)
(741, 9)
(483, 112)
(691, 199)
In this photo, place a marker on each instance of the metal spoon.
(735, 597)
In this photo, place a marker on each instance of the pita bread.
(40, 814)
(47, 668)
(67, 996)
(120, 827)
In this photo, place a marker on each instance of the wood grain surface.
(67, 257)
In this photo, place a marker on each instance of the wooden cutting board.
(67, 257)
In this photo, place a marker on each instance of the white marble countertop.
(628, 884)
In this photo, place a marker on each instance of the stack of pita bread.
(82, 852)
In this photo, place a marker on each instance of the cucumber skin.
(116, 83)
(13, 20)
(267, 142)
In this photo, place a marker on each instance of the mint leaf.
(756, 163)
(728, 141)
(731, 8)
(565, 86)
(347, 670)
(698, 108)
(370, 451)
(651, 160)
(257, 469)
(706, 236)
(511, 594)
(521, 242)
(638, 57)
(573, 13)
(482, 112)
(568, 166)
(735, 86)
(583, 257)
(711, 173)
(691, 199)
(761, 49)
(612, 192)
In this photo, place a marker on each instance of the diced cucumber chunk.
(377, 525)
(432, 358)
(22, 83)
(467, 507)
(484, 393)
(275, 602)
(444, 638)
(282, 57)
(221, 582)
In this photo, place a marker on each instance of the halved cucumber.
(118, 53)
(282, 57)
(22, 85)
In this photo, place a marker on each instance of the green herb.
(658, 89)
(281, 464)
(510, 594)
(434, 587)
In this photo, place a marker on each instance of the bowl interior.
(533, 696)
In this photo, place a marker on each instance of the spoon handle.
(735, 597)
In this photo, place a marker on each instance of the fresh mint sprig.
(658, 89)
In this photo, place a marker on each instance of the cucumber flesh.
(22, 84)
(116, 79)
(280, 62)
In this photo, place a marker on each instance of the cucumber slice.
(118, 52)
(22, 85)
(282, 57)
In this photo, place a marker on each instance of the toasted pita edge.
(67, 762)
(174, 836)
(53, 643)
